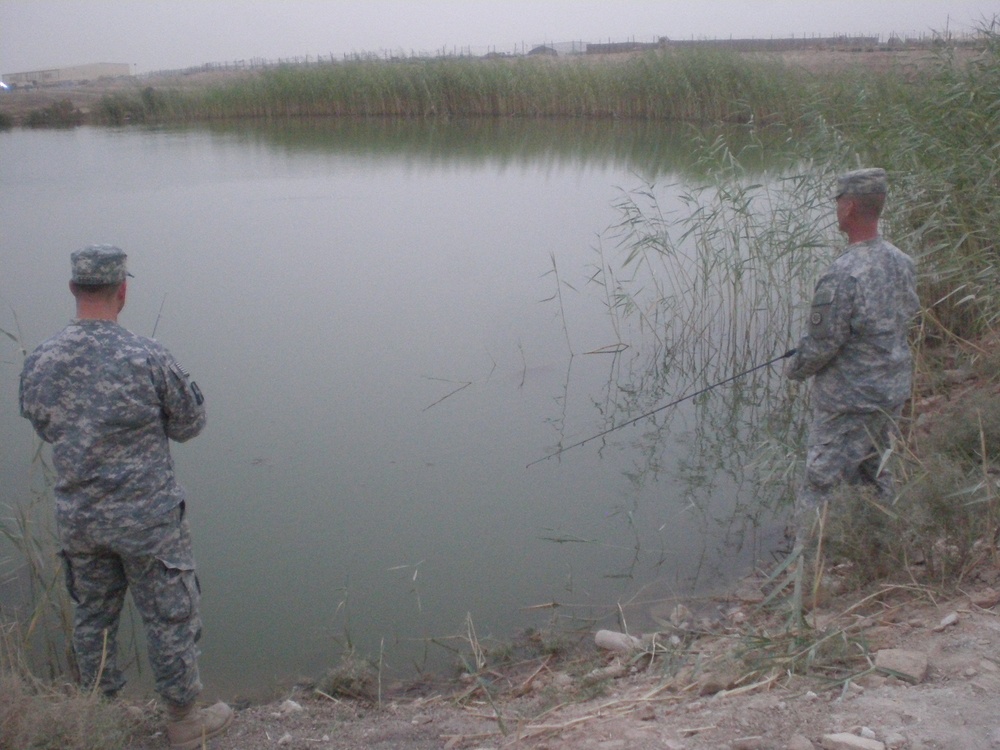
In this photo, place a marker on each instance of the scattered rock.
(562, 680)
(800, 742)
(845, 741)
(748, 743)
(681, 617)
(947, 621)
(749, 592)
(912, 665)
(958, 376)
(986, 599)
(622, 643)
(711, 683)
(610, 672)
(646, 713)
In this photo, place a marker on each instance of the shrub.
(61, 114)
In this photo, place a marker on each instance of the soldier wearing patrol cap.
(109, 402)
(856, 348)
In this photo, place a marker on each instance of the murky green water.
(371, 309)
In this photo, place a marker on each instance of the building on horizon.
(73, 74)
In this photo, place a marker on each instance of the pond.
(390, 322)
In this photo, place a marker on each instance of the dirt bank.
(708, 705)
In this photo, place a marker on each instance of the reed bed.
(693, 85)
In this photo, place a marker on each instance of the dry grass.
(40, 716)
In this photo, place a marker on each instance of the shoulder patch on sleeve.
(820, 318)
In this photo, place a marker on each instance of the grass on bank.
(40, 716)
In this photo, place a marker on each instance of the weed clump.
(38, 717)
(945, 519)
(969, 430)
(62, 114)
(353, 678)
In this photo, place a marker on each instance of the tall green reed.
(701, 85)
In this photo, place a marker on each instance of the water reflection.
(650, 150)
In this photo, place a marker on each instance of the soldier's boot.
(189, 727)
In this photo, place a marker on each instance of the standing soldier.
(856, 348)
(109, 401)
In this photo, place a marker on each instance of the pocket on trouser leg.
(825, 466)
(176, 592)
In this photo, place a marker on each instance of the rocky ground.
(925, 669)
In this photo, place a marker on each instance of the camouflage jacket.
(856, 345)
(108, 401)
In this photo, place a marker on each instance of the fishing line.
(787, 354)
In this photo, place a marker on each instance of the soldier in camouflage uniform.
(109, 401)
(856, 348)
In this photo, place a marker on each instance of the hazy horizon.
(155, 35)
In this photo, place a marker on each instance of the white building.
(75, 74)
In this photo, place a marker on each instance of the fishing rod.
(786, 355)
(157, 323)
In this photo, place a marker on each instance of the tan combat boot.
(189, 727)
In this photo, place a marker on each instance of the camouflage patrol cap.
(862, 182)
(99, 264)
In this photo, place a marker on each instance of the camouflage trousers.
(156, 563)
(847, 448)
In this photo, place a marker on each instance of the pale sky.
(170, 34)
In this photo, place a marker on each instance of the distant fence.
(910, 40)
(849, 42)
